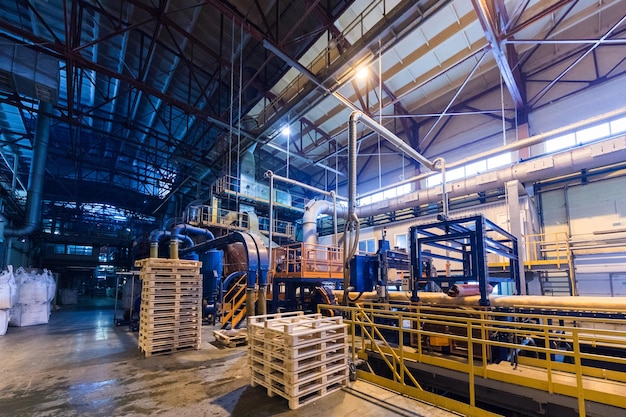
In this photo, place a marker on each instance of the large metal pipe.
(270, 174)
(180, 230)
(157, 235)
(309, 220)
(594, 155)
(504, 301)
(36, 176)
(514, 146)
(358, 116)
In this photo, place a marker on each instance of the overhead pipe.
(276, 177)
(589, 156)
(500, 301)
(36, 176)
(511, 147)
(181, 229)
(594, 155)
(157, 235)
(309, 220)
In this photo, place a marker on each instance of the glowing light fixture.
(285, 130)
(362, 73)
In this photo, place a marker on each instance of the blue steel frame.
(464, 242)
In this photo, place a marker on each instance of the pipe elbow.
(355, 116)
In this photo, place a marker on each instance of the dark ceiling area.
(155, 100)
(148, 95)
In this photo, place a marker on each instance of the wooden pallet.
(165, 350)
(339, 363)
(231, 338)
(298, 331)
(302, 393)
(170, 314)
(299, 357)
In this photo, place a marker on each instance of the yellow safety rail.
(547, 249)
(461, 339)
(234, 302)
(544, 250)
(305, 260)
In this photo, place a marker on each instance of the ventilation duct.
(28, 72)
(36, 176)
(610, 151)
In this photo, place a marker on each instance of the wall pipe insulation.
(36, 176)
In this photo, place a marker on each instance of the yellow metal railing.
(543, 249)
(304, 260)
(550, 248)
(233, 304)
(550, 352)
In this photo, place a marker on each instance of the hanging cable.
(380, 110)
(239, 109)
(232, 102)
(502, 107)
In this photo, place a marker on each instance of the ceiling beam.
(488, 20)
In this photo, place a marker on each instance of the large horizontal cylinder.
(539, 301)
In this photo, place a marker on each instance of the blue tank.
(212, 270)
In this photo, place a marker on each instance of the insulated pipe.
(502, 301)
(276, 177)
(309, 220)
(610, 151)
(607, 152)
(514, 146)
(37, 173)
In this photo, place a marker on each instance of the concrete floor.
(80, 364)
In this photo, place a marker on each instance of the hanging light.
(362, 73)
(285, 130)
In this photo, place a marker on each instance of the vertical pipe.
(334, 218)
(37, 173)
(154, 249)
(270, 174)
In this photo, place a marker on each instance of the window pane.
(371, 246)
(594, 132)
(401, 241)
(619, 125)
(433, 181)
(404, 189)
(499, 160)
(389, 193)
(377, 197)
(559, 143)
(362, 246)
(475, 168)
(455, 174)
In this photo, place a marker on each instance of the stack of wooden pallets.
(170, 317)
(299, 357)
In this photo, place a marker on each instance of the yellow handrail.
(548, 348)
(233, 300)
